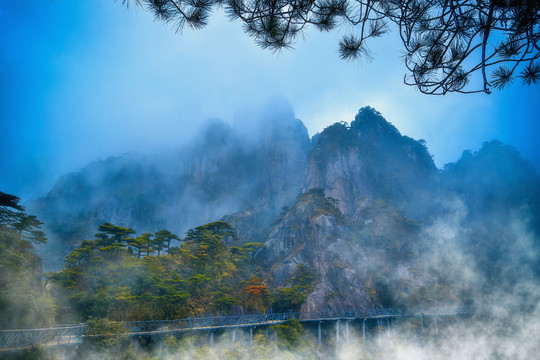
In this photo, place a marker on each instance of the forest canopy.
(148, 277)
(23, 299)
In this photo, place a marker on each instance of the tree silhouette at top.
(463, 46)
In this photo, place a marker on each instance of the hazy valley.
(361, 205)
(357, 217)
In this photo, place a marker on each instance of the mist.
(505, 323)
(108, 116)
(117, 81)
(346, 206)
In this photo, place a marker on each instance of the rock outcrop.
(360, 207)
(223, 171)
(368, 159)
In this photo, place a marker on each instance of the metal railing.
(25, 338)
(213, 322)
(217, 322)
(72, 334)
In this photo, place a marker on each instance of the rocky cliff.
(352, 170)
(251, 173)
(366, 160)
(360, 207)
(378, 225)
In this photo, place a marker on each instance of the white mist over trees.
(356, 217)
(23, 300)
(361, 196)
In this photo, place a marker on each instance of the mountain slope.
(361, 207)
(223, 171)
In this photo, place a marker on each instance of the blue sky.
(83, 80)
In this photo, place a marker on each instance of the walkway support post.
(347, 331)
(364, 330)
(64, 334)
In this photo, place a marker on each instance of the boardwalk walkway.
(26, 338)
(11, 340)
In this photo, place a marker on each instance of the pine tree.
(445, 42)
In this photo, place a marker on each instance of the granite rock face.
(378, 225)
(225, 170)
(368, 159)
(313, 234)
(360, 206)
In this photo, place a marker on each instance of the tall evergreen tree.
(24, 301)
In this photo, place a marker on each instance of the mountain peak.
(370, 121)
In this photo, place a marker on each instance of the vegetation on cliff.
(23, 299)
(211, 272)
